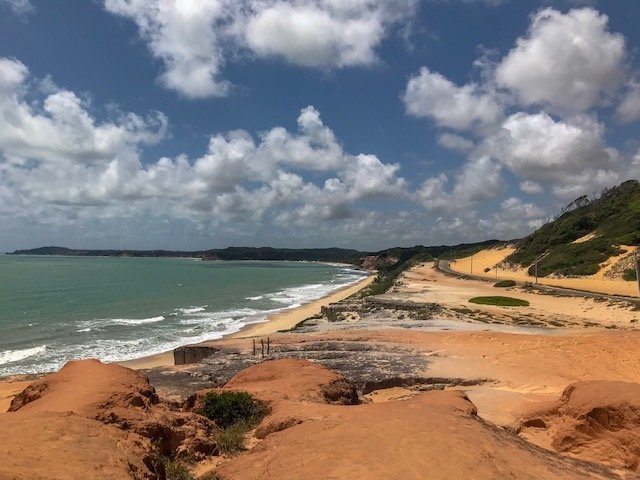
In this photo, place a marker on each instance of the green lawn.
(500, 301)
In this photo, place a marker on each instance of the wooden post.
(262, 343)
(254, 347)
(268, 346)
(471, 264)
(635, 256)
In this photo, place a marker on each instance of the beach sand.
(489, 258)
(288, 319)
(424, 283)
(284, 320)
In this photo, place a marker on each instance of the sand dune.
(490, 258)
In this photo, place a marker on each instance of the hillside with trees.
(587, 233)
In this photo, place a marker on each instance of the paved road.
(445, 267)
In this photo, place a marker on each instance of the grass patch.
(505, 284)
(230, 440)
(236, 413)
(176, 470)
(500, 301)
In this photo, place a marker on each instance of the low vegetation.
(230, 440)
(630, 275)
(500, 301)
(505, 284)
(176, 470)
(236, 413)
(230, 408)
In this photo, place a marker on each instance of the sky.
(193, 124)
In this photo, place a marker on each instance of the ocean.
(55, 309)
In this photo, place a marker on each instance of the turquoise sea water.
(54, 309)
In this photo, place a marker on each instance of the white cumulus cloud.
(568, 62)
(58, 162)
(194, 39)
(431, 95)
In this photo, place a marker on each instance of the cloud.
(530, 187)
(570, 155)
(567, 62)
(512, 219)
(194, 40)
(61, 129)
(628, 110)
(455, 142)
(478, 180)
(322, 34)
(431, 95)
(58, 163)
(19, 7)
(185, 37)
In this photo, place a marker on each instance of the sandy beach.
(284, 320)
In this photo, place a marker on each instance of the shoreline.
(273, 323)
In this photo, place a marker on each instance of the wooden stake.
(254, 347)
(262, 343)
(268, 346)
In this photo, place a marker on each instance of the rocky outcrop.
(374, 262)
(104, 408)
(192, 354)
(595, 420)
(434, 435)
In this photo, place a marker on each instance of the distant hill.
(587, 233)
(388, 259)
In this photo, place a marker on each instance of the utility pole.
(535, 263)
(472, 264)
(635, 256)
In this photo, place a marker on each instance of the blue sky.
(308, 123)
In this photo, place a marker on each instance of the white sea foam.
(9, 356)
(191, 310)
(136, 321)
(190, 324)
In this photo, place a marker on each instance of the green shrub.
(500, 301)
(229, 408)
(176, 470)
(505, 284)
(630, 275)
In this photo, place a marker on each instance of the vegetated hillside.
(613, 219)
(393, 261)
